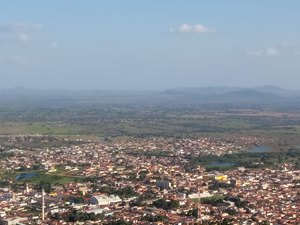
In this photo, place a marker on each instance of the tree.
(166, 204)
(46, 185)
(119, 222)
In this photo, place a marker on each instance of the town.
(144, 181)
(149, 112)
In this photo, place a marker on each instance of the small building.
(221, 177)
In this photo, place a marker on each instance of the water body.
(222, 164)
(259, 149)
(25, 176)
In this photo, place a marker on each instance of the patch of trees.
(230, 211)
(166, 204)
(156, 218)
(213, 200)
(226, 221)
(125, 192)
(44, 184)
(156, 153)
(6, 155)
(238, 202)
(118, 222)
(4, 183)
(216, 185)
(246, 159)
(293, 153)
(76, 216)
(191, 213)
(76, 200)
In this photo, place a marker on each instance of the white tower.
(43, 205)
(199, 218)
(13, 197)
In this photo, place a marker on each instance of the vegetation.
(41, 178)
(238, 202)
(215, 200)
(46, 185)
(156, 218)
(166, 204)
(91, 117)
(216, 185)
(125, 192)
(247, 159)
(118, 222)
(191, 213)
(77, 216)
(226, 221)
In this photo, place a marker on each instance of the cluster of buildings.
(122, 179)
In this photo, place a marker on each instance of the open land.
(150, 164)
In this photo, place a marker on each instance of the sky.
(149, 44)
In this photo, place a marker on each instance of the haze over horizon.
(149, 45)
(152, 90)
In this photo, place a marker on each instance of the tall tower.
(43, 204)
(27, 188)
(13, 197)
(199, 218)
(199, 208)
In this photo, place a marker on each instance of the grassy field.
(156, 127)
(119, 121)
(16, 128)
(53, 179)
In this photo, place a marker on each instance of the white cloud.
(256, 52)
(264, 52)
(53, 44)
(20, 27)
(22, 32)
(15, 60)
(23, 37)
(199, 28)
(297, 52)
(186, 28)
(289, 48)
(271, 52)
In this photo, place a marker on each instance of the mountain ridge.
(180, 95)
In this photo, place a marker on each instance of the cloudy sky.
(143, 44)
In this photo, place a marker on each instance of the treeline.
(247, 159)
(76, 216)
(166, 204)
(125, 192)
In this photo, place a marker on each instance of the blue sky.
(143, 44)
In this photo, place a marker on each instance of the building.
(105, 199)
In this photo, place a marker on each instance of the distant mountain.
(259, 95)
(270, 88)
(204, 91)
(176, 96)
(277, 90)
(56, 97)
(248, 96)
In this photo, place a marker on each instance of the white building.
(105, 199)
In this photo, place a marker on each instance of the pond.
(259, 149)
(25, 176)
